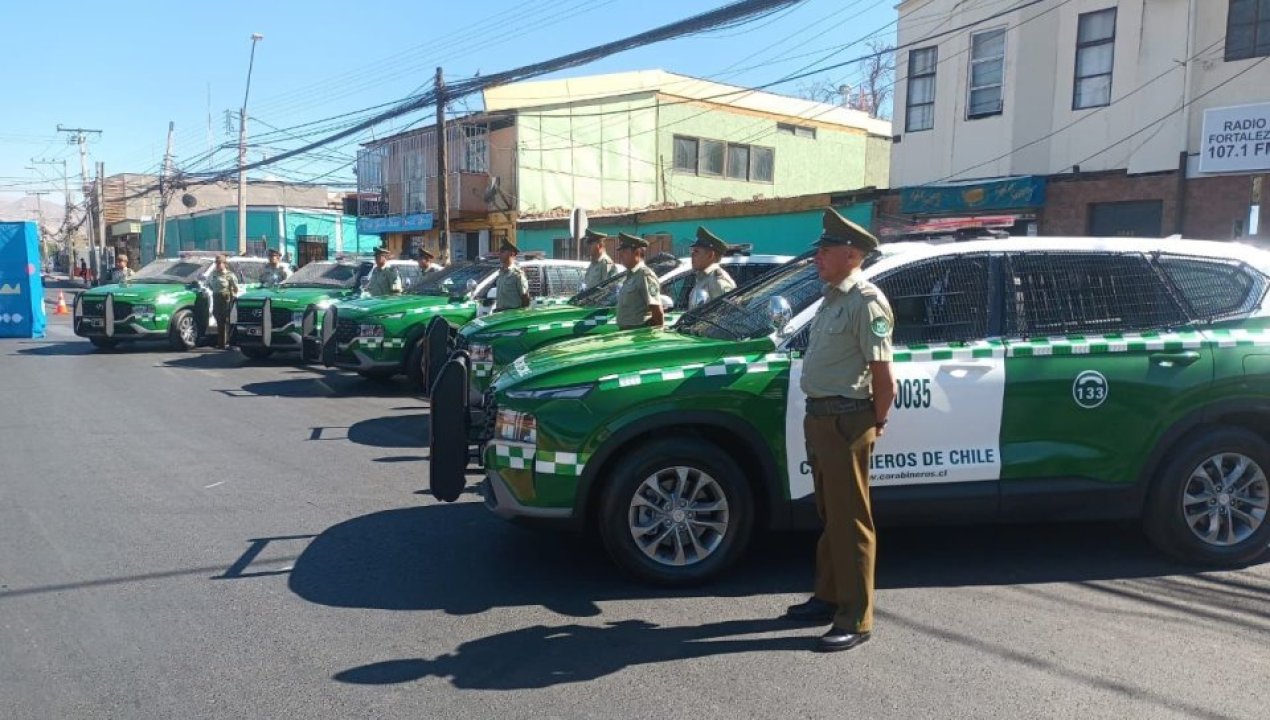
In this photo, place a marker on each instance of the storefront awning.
(963, 198)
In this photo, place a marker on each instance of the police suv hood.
(292, 297)
(370, 307)
(132, 292)
(588, 359)
(519, 319)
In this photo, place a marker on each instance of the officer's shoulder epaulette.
(868, 290)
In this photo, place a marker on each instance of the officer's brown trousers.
(838, 447)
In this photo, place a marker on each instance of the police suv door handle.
(1174, 359)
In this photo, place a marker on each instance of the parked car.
(1037, 378)
(384, 336)
(165, 300)
(270, 318)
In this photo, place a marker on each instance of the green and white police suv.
(386, 336)
(1037, 378)
(271, 318)
(494, 341)
(165, 300)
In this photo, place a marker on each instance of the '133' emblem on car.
(1090, 389)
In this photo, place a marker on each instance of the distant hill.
(25, 207)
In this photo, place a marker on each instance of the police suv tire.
(415, 370)
(646, 460)
(102, 343)
(1164, 519)
(174, 330)
(255, 353)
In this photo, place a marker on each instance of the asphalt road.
(189, 536)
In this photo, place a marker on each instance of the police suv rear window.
(1214, 288)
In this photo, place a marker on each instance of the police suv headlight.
(142, 309)
(480, 353)
(516, 426)
(571, 392)
(370, 331)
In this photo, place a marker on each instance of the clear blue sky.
(128, 68)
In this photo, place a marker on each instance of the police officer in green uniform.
(511, 289)
(602, 266)
(426, 264)
(224, 286)
(383, 279)
(275, 272)
(120, 273)
(846, 377)
(639, 300)
(707, 251)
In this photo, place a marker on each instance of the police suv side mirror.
(667, 302)
(699, 297)
(780, 313)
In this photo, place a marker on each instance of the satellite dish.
(189, 200)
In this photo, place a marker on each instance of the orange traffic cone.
(61, 305)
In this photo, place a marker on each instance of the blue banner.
(21, 284)
(414, 222)
(1014, 193)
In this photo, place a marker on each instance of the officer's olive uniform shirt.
(599, 271)
(511, 286)
(222, 281)
(715, 281)
(639, 290)
(383, 281)
(274, 275)
(119, 275)
(851, 329)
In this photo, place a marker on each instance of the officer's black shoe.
(814, 610)
(838, 639)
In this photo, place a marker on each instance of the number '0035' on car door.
(945, 425)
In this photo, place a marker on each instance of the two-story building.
(1082, 117)
(612, 144)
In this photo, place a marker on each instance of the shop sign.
(413, 222)
(1027, 191)
(1235, 139)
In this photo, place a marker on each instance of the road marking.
(209, 487)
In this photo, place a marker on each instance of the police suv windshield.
(326, 274)
(452, 281)
(161, 272)
(605, 293)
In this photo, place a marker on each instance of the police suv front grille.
(94, 308)
(122, 310)
(250, 314)
(345, 331)
(279, 317)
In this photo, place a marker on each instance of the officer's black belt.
(837, 405)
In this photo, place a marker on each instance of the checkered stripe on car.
(377, 343)
(738, 365)
(440, 308)
(516, 457)
(1239, 337)
(1104, 344)
(482, 368)
(560, 463)
(566, 324)
(943, 351)
(550, 301)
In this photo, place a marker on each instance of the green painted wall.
(782, 234)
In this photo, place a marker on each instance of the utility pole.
(443, 173)
(242, 152)
(161, 228)
(79, 136)
(39, 213)
(66, 213)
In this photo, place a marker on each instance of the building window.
(920, 108)
(796, 130)
(699, 156)
(1248, 29)
(1095, 50)
(686, 154)
(987, 73)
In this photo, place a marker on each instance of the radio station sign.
(414, 222)
(1235, 139)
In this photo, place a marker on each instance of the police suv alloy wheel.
(1210, 500)
(678, 512)
(183, 331)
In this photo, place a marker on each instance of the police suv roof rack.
(742, 249)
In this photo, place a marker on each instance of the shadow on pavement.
(317, 383)
(461, 559)
(545, 655)
(393, 431)
(48, 349)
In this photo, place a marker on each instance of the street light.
(242, 152)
